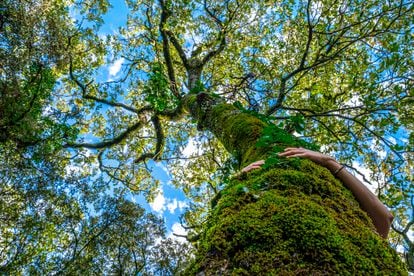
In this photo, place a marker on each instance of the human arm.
(377, 211)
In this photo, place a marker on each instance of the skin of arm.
(377, 211)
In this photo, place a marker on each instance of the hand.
(314, 156)
(254, 165)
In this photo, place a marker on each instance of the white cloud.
(410, 235)
(173, 204)
(253, 15)
(47, 111)
(354, 101)
(132, 199)
(125, 149)
(400, 248)
(161, 203)
(324, 148)
(116, 67)
(182, 205)
(178, 230)
(380, 152)
(316, 9)
(190, 149)
(158, 205)
(72, 169)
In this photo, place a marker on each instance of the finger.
(290, 152)
(257, 163)
(247, 169)
(293, 154)
(294, 150)
(297, 155)
(260, 162)
(254, 165)
(291, 148)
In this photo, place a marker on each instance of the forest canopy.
(78, 138)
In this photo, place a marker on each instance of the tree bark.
(293, 218)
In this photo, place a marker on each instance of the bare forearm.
(377, 211)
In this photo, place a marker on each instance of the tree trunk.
(293, 218)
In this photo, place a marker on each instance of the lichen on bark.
(293, 218)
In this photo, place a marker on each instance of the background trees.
(54, 219)
(337, 72)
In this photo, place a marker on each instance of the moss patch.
(291, 222)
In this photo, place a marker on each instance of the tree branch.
(309, 38)
(107, 143)
(220, 48)
(354, 119)
(156, 155)
(84, 89)
(212, 15)
(166, 50)
(360, 173)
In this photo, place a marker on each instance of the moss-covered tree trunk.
(295, 219)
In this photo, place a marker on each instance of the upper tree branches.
(327, 46)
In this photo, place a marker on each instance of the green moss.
(189, 101)
(291, 222)
(238, 131)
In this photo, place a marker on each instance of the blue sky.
(115, 17)
(169, 202)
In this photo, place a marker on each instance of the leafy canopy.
(337, 73)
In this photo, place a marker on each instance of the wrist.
(332, 165)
